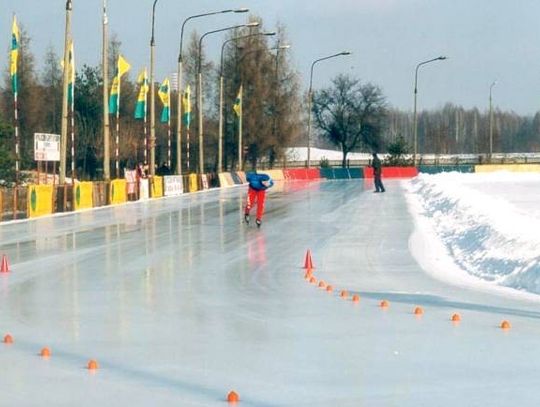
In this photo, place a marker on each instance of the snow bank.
(478, 220)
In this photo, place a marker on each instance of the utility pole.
(106, 124)
(152, 98)
(63, 138)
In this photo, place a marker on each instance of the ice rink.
(180, 302)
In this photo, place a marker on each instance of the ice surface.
(180, 303)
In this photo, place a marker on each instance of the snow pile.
(489, 224)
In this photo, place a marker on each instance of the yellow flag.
(123, 66)
(238, 103)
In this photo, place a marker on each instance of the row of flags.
(122, 68)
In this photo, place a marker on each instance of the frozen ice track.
(179, 302)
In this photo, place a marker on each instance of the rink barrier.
(437, 169)
(356, 173)
(156, 187)
(236, 178)
(242, 176)
(83, 195)
(302, 174)
(393, 172)
(507, 167)
(276, 175)
(193, 183)
(118, 191)
(223, 181)
(40, 200)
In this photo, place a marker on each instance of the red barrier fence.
(302, 174)
(393, 172)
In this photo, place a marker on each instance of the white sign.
(46, 147)
(173, 185)
(204, 179)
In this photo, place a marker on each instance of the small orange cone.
(308, 263)
(322, 284)
(308, 275)
(505, 325)
(344, 294)
(329, 288)
(356, 298)
(4, 268)
(233, 397)
(418, 311)
(456, 318)
(313, 280)
(384, 304)
(8, 339)
(92, 365)
(45, 353)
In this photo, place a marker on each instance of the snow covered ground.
(179, 302)
(488, 225)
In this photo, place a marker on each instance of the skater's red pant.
(258, 197)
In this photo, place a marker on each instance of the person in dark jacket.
(377, 172)
(258, 184)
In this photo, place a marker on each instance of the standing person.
(258, 184)
(377, 172)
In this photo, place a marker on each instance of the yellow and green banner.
(40, 200)
(140, 108)
(15, 44)
(83, 195)
(118, 191)
(186, 105)
(165, 96)
(114, 101)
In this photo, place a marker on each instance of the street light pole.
(199, 87)
(491, 121)
(310, 97)
(225, 43)
(179, 85)
(152, 97)
(415, 125)
(106, 124)
(63, 138)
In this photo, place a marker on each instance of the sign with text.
(174, 185)
(46, 147)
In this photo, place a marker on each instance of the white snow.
(478, 228)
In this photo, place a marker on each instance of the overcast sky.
(485, 40)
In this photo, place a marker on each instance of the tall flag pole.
(71, 101)
(141, 109)
(114, 105)
(65, 82)
(165, 96)
(105, 73)
(15, 45)
(238, 109)
(186, 105)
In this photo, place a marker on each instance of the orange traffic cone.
(308, 263)
(4, 268)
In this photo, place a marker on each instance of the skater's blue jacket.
(256, 181)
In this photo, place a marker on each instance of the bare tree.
(351, 115)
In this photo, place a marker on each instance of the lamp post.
(491, 121)
(63, 138)
(179, 85)
(415, 128)
(310, 96)
(152, 98)
(199, 86)
(220, 149)
(105, 69)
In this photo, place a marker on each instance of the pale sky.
(485, 40)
